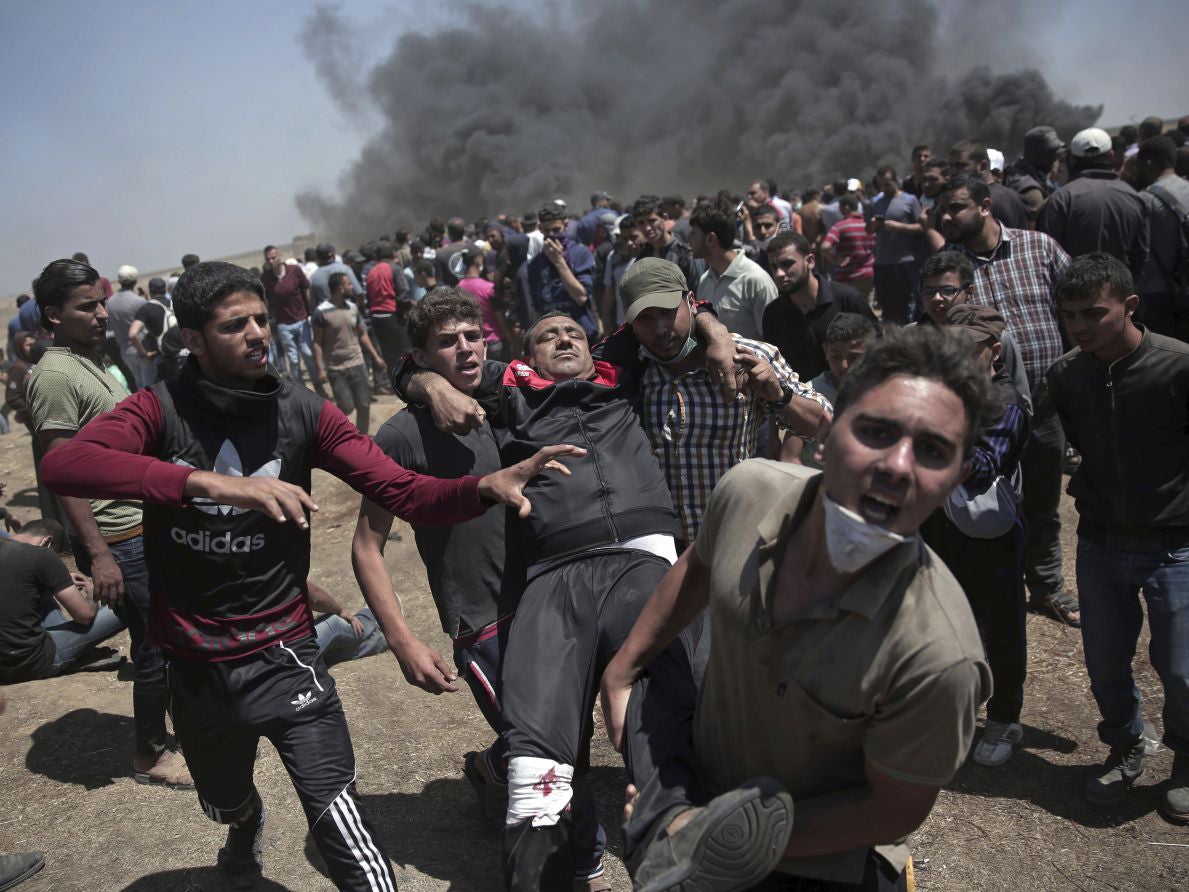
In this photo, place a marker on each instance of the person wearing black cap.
(1030, 174)
(600, 199)
(1095, 210)
(979, 534)
(153, 319)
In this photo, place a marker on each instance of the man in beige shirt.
(844, 670)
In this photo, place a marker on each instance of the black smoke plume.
(513, 105)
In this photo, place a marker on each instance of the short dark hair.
(528, 331)
(384, 250)
(268, 248)
(782, 240)
(646, 205)
(80, 257)
(974, 149)
(1129, 132)
(978, 189)
(201, 287)
(188, 260)
(811, 194)
(335, 280)
(920, 147)
(849, 327)
(310, 255)
(848, 200)
(928, 352)
(1089, 275)
(1149, 127)
(1158, 151)
(22, 299)
(948, 262)
(1183, 161)
(675, 201)
(442, 305)
(423, 266)
(43, 526)
(718, 218)
(885, 168)
(456, 228)
(765, 210)
(57, 280)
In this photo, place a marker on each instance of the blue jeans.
(71, 638)
(297, 340)
(337, 642)
(1109, 584)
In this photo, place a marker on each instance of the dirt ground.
(66, 747)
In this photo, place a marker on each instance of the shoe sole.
(1176, 817)
(16, 881)
(742, 841)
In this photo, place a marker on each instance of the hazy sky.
(138, 131)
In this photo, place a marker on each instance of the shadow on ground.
(440, 832)
(1057, 789)
(84, 747)
(198, 879)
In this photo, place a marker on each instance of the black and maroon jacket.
(226, 581)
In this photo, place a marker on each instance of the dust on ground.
(66, 748)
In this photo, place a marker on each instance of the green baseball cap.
(651, 282)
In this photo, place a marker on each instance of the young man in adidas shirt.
(222, 458)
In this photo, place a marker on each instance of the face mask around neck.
(691, 344)
(852, 542)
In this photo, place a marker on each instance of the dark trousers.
(352, 393)
(991, 572)
(570, 622)
(878, 876)
(150, 692)
(896, 288)
(480, 661)
(1041, 463)
(283, 693)
(392, 337)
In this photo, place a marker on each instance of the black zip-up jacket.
(1130, 422)
(616, 492)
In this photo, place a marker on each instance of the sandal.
(168, 771)
(1062, 607)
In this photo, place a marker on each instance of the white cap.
(854, 184)
(1092, 142)
(995, 158)
(127, 273)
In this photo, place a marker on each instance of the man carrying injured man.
(597, 548)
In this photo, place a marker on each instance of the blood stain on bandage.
(546, 781)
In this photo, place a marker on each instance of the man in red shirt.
(388, 304)
(849, 248)
(287, 291)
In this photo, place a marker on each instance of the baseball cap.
(651, 282)
(127, 273)
(156, 286)
(854, 184)
(1043, 138)
(977, 321)
(995, 159)
(1093, 142)
(599, 196)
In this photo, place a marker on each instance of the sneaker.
(1122, 769)
(492, 795)
(598, 883)
(996, 745)
(1175, 804)
(242, 856)
(732, 843)
(18, 867)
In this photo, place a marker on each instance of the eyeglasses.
(946, 291)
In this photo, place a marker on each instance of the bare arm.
(105, 572)
(134, 331)
(720, 353)
(556, 255)
(319, 368)
(680, 596)
(74, 601)
(366, 342)
(421, 665)
(881, 811)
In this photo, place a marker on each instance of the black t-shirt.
(465, 563)
(31, 576)
(801, 337)
(152, 316)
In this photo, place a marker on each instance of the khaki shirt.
(890, 671)
(64, 392)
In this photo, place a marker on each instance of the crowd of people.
(774, 476)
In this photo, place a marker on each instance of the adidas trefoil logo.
(304, 700)
(228, 463)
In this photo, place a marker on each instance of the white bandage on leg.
(538, 789)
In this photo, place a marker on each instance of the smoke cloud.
(507, 107)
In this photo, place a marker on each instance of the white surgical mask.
(852, 542)
(691, 344)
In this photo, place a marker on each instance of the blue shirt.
(320, 282)
(547, 292)
(896, 247)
